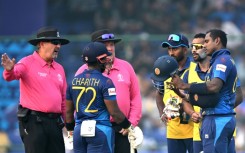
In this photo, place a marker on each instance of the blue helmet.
(93, 50)
(164, 67)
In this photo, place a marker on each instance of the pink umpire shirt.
(42, 87)
(127, 89)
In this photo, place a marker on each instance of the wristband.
(125, 123)
(198, 88)
(204, 101)
(70, 126)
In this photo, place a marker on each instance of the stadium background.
(142, 24)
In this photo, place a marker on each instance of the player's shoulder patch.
(221, 67)
(111, 91)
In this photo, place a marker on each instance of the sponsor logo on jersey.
(111, 91)
(221, 67)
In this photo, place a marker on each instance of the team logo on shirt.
(41, 74)
(111, 91)
(59, 77)
(221, 67)
(120, 77)
(206, 136)
(223, 60)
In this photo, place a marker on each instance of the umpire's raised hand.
(7, 63)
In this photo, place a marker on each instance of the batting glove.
(135, 136)
(172, 108)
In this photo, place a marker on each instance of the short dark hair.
(199, 35)
(92, 63)
(215, 33)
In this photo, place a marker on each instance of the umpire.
(42, 93)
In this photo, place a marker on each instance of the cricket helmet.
(93, 51)
(163, 68)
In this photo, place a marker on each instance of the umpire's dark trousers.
(122, 144)
(42, 134)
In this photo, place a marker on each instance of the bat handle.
(131, 149)
(131, 146)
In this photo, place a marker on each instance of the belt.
(49, 115)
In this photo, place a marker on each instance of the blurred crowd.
(143, 25)
(150, 16)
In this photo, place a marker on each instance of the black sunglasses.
(55, 42)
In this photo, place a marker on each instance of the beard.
(179, 58)
(55, 54)
(200, 57)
